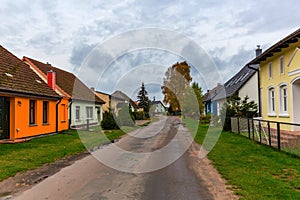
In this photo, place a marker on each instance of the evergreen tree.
(237, 107)
(143, 100)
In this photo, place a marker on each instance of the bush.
(108, 122)
(205, 119)
(237, 107)
(139, 115)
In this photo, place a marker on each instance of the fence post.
(269, 134)
(238, 125)
(88, 124)
(259, 130)
(253, 129)
(248, 128)
(278, 135)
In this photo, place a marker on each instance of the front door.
(98, 109)
(4, 118)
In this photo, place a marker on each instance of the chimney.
(258, 51)
(93, 89)
(51, 79)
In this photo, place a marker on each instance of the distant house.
(83, 103)
(280, 80)
(28, 106)
(209, 102)
(106, 98)
(158, 107)
(119, 100)
(244, 83)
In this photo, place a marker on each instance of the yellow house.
(279, 72)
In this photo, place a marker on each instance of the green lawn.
(255, 171)
(21, 157)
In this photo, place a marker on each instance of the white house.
(158, 107)
(244, 83)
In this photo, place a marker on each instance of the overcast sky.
(64, 33)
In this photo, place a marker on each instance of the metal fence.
(281, 135)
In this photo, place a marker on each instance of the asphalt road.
(132, 171)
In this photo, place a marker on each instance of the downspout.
(70, 113)
(259, 92)
(57, 114)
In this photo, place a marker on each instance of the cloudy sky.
(64, 33)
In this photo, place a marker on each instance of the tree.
(144, 100)
(237, 107)
(199, 96)
(176, 84)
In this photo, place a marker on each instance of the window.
(281, 65)
(89, 112)
(32, 110)
(270, 70)
(63, 113)
(45, 112)
(271, 101)
(77, 113)
(283, 99)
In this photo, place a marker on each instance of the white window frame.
(270, 70)
(89, 112)
(281, 65)
(271, 101)
(77, 109)
(283, 100)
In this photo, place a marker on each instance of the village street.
(90, 179)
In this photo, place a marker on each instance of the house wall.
(278, 79)
(19, 118)
(214, 107)
(220, 104)
(159, 108)
(83, 113)
(250, 89)
(63, 120)
(106, 99)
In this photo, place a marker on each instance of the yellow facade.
(280, 87)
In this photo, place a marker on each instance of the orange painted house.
(83, 104)
(28, 106)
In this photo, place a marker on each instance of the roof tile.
(17, 77)
(67, 81)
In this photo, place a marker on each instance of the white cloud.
(64, 32)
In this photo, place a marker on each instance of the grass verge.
(21, 157)
(254, 171)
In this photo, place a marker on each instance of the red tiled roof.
(66, 81)
(17, 77)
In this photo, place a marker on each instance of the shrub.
(108, 122)
(139, 115)
(205, 119)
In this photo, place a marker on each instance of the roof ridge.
(50, 65)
